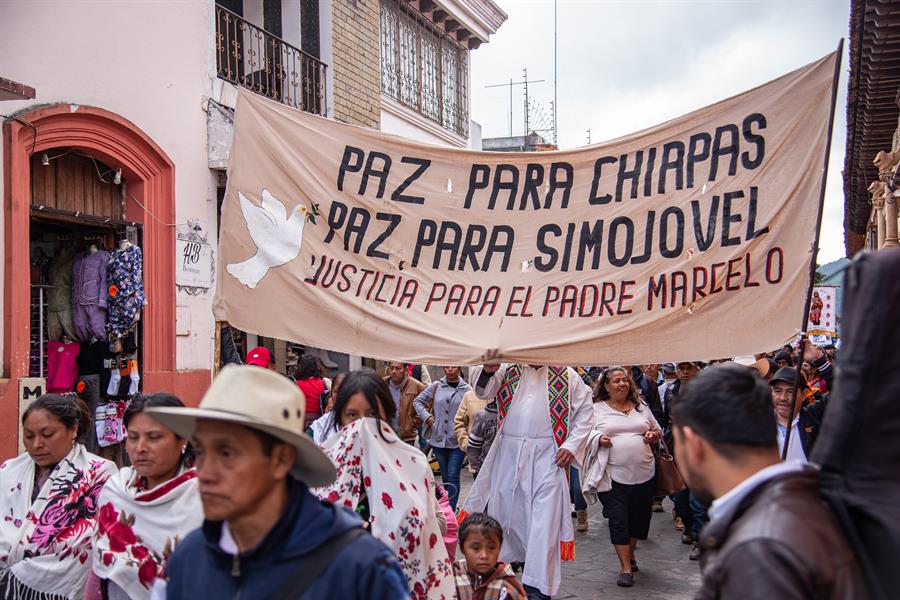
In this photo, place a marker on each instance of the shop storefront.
(89, 205)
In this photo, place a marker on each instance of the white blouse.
(630, 459)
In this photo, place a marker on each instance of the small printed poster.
(822, 318)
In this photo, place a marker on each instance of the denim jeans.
(450, 461)
(423, 443)
(575, 490)
(698, 514)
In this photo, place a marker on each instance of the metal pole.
(41, 332)
(815, 250)
(555, 101)
(510, 106)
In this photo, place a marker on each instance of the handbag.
(668, 478)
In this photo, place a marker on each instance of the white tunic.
(520, 484)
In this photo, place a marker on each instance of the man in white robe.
(523, 480)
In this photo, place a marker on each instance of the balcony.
(254, 59)
(423, 67)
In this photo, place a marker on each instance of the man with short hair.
(404, 390)
(808, 413)
(770, 535)
(265, 535)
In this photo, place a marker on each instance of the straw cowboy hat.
(262, 400)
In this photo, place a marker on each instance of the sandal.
(625, 580)
(634, 567)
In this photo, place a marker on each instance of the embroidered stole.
(557, 392)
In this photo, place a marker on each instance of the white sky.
(623, 66)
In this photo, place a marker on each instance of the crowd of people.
(309, 487)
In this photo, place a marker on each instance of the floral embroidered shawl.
(45, 546)
(137, 529)
(401, 493)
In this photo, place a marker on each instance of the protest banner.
(691, 239)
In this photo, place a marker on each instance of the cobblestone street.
(665, 570)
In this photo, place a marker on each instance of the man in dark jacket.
(770, 534)
(690, 513)
(808, 412)
(265, 535)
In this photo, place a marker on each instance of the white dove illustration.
(277, 237)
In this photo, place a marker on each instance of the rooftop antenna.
(525, 81)
(555, 104)
(511, 84)
(589, 137)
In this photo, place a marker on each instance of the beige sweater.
(470, 406)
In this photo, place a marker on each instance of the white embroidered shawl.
(45, 546)
(401, 494)
(138, 529)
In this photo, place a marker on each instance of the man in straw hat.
(265, 535)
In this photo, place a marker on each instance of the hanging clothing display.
(109, 422)
(89, 295)
(62, 370)
(125, 278)
(59, 296)
(90, 359)
(117, 375)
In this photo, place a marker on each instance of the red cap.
(259, 357)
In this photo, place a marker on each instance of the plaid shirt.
(501, 584)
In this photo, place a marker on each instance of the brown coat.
(409, 421)
(783, 542)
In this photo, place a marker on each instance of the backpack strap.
(315, 563)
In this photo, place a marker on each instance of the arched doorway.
(150, 201)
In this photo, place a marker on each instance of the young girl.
(480, 576)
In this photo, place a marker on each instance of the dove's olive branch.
(310, 213)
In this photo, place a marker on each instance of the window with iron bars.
(423, 68)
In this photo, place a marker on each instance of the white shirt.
(662, 391)
(795, 448)
(733, 497)
(322, 428)
(630, 458)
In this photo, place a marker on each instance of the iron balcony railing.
(423, 67)
(267, 65)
